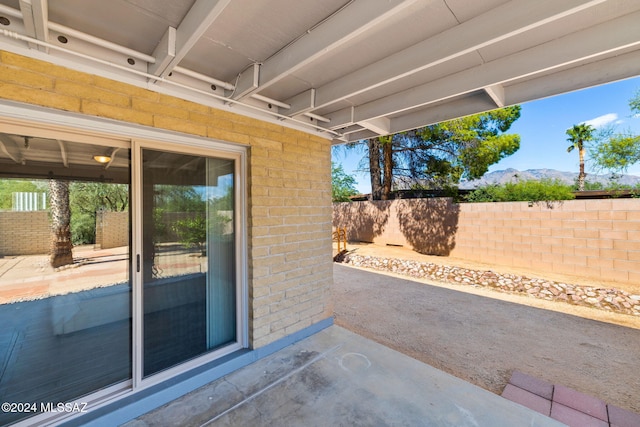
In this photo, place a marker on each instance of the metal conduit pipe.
(10, 11)
(84, 36)
(101, 42)
(202, 77)
(227, 86)
(271, 101)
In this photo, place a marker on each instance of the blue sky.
(542, 126)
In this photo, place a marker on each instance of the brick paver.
(565, 404)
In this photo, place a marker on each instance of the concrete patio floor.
(339, 378)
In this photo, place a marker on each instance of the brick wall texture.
(588, 238)
(289, 183)
(112, 229)
(25, 233)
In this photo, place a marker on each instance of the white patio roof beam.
(380, 125)
(63, 153)
(177, 42)
(35, 16)
(3, 149)
(452, 110)
(618, 67)
(496, 92)
(562, 52)
(458, 108)
(500, 23)
(353, 20)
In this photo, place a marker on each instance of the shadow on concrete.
(430, 225)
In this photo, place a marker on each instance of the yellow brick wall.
(289, 183)
(24, 233)
(112, 229)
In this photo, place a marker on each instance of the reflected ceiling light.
(101, 158)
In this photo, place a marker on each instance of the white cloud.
(602, 120)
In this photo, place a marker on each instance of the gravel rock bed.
(610, 299)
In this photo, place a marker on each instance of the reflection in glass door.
(65, 290)
(188, 257)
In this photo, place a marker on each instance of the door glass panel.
(188, 267)
(65, 294)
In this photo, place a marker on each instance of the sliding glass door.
(188, 257)
(120, 264)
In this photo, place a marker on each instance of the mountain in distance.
(514, 175)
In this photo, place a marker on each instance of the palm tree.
(578, 135)
(61, 245)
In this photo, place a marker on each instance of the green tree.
(579, 135)
(342, 185)
(617, 151)
(87, 198)
(634, 103)
(440, 155)
(179, 198)
(174, 198)
(10, 186)
(374, 147)
(205, 218)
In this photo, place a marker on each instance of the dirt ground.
(481, 335)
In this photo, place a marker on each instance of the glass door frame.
(238, 155)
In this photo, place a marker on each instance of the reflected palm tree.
(61, 246)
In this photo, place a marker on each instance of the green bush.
(193, 231)
(83, 228)
(614, 188)
(545, 190)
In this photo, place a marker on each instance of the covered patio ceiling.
(349, 69)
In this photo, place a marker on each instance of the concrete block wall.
(426, 225)
(24, 233)
(591, 238)
(289, 183)
(588, 238)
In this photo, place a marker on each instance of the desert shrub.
(614, 188)
(83, 228)
(545, 190)
(193, 231)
